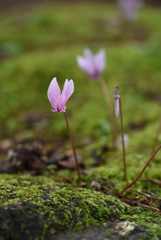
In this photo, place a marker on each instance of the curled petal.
(130, 8)
(88, 54)
(65, 85)
(53, 92)
(68, 89)
(100, 61)
(61, 104)
(116, 95)
(86, 65)
(92, 64)
(116, 107)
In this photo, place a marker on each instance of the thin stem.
(75, 156)
(109, 107)
(157, 134)
(122, 135)
(141, 171)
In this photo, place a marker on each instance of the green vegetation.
(63, 206)
(41, 42)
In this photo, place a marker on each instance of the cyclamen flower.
(116, 95)
(58, 99)
(93, 65)
(130, 8)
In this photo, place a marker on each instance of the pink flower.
(130, 8)
(116, 95)
(93, 65)
(57, 99)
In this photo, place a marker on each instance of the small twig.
(109, 107)
(75, 156)
(66, 178)
(156, 210)
(147, 195)
(155, 181)
(129, 185)
(105, 182)
(157, 134)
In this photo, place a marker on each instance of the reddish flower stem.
(129, 185)
(75, 156)
(157, 134)
(122, 135)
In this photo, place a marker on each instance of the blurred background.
(40, 40)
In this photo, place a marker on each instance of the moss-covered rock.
(38, 209)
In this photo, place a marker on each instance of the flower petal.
(65, 85)
(53, 92)
(88, 54)
(86, 65)
(68, 89)
(100, 61)
(60, 104)
(116, 107)
(129, 8)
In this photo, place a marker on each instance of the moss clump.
(54, 205)
(145, 218)
(40, 206)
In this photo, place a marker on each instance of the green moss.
(62, 205)
(144, 218)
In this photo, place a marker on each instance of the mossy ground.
(60, 206)
(42, 41)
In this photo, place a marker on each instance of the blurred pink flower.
(55, 97)
(93, 65)
(130, 8)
